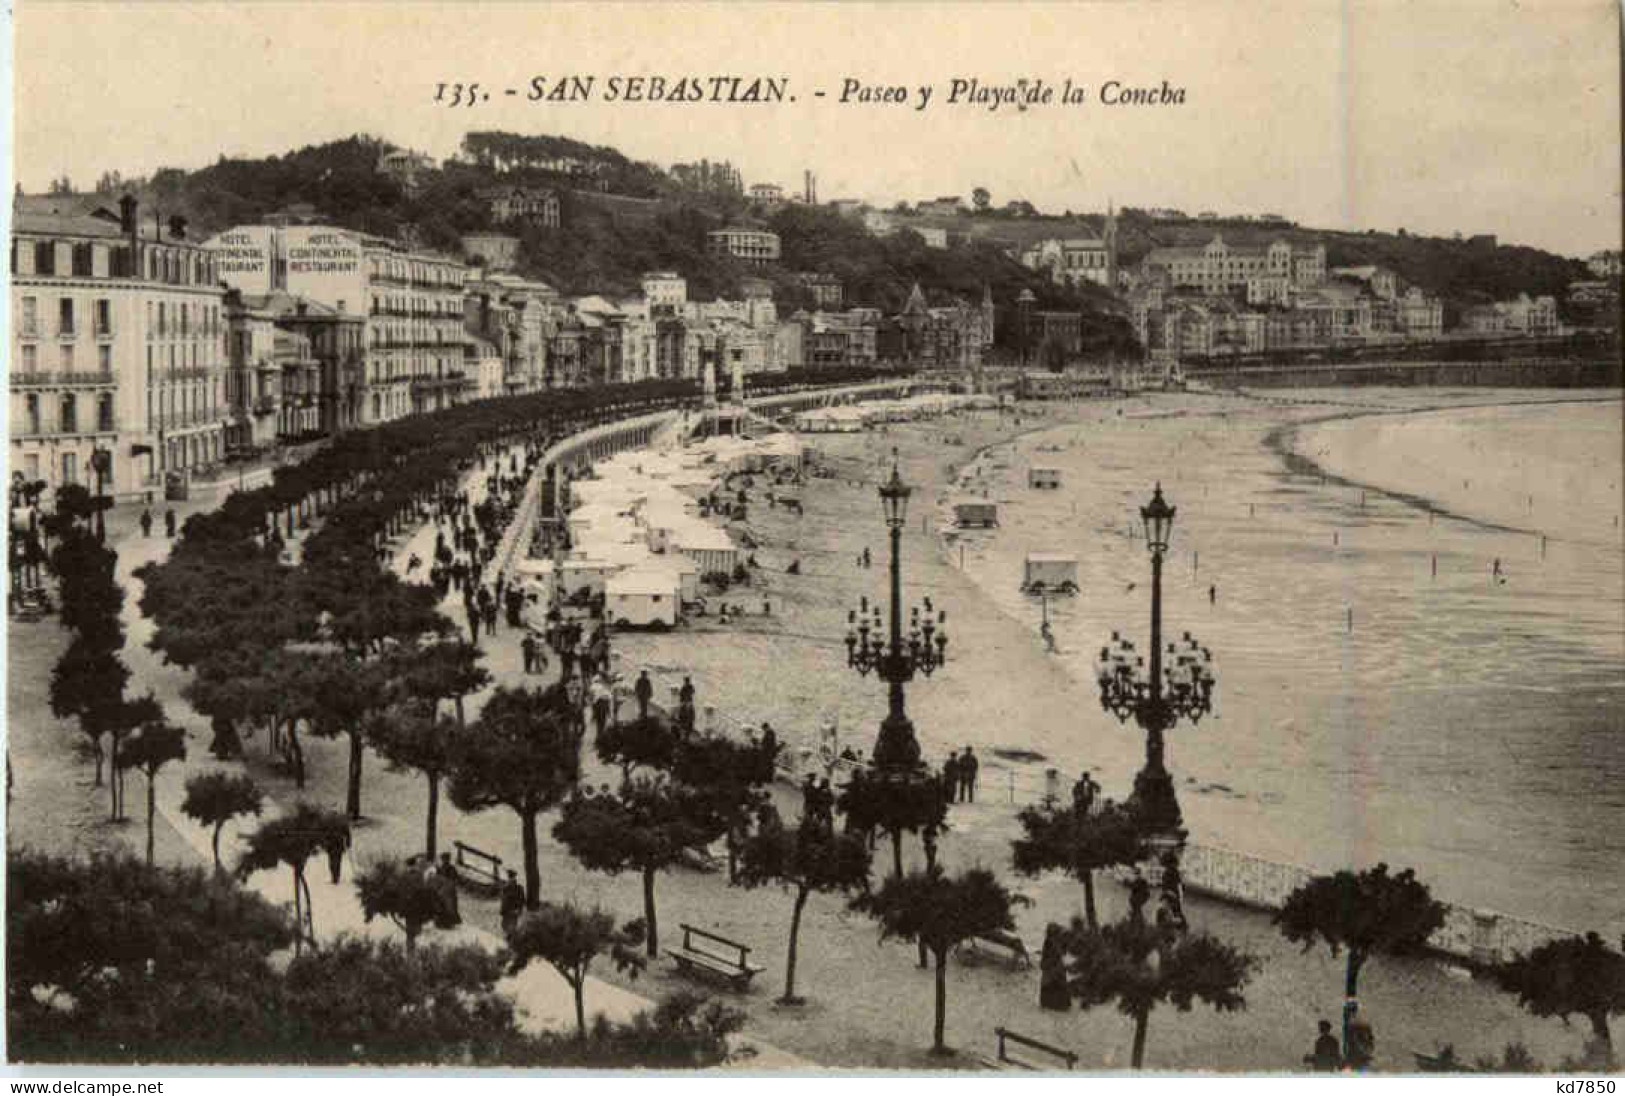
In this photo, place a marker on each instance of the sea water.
(1385, 690)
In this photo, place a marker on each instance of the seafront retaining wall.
(1511, 373)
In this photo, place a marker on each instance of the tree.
(398, 891)
(154, 744)
(439, 671)
(344, 693)
(213, 799)
(523, 753)
(980, 198)
(1141, 966)
(1078, 844)
(87, 683)
(1366, 913)
(411, 736)
(649, 741)
(569, 939)
(941, 912)
(292, 840)
(804, 860)
(872, 800)
(1575, 975)
(648, 826)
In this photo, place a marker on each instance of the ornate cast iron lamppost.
(1181, 686)
(896, 659)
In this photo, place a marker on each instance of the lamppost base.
(896, 747)
(1157, 807)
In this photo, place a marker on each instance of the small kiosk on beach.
(1043, 478)
(1049, 573)
(976, 514)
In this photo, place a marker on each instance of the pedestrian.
(1139, 893)
(769, 740)
(1361, 1041)
(512, 903)
(146, 523)
(1083, 794)
(1327, 1056)
(1212, 595)
(867, 558)
(527, 648)
(600, 704)
(446, 878)
(489, 611)
(644, 690)
(1048, 635)
(169, 522)
(950, 777)
(685, 704)
(1052, 992)
(967, 775)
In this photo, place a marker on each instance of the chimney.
(126, 213)
(177, 228)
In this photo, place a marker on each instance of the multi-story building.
(951, 337)
(1604, 264)
(1218, 268)
(769, 194)
(665, 289)
(118, 340)
(492, 250)
(295, 368)
(412, 300)
(517, 316)
(1418, 315)
(826, 289)
(483, 361)
(405, 166)
(1384, 283)
(1077, 259)
(537, 205)
(751, 245)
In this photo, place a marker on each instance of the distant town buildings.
(1524, 315)
(826, 290)
(1077, 259)
(1604, 264)
(768, 194)
(948, 206)
(536, 205)
(405, 166)
(751, 245)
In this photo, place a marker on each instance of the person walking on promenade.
(512, 903)
(1362, 1041)
(446, 880)
(600, 704)
(146, 523)
(1052, 992)
(1048, 635)
(489, 612)
(950, 777)
(169, 522)
(1213, 595)
(1083, 794)
(685, 704)
(1327, 1056)
(967, 776)
(527, 649)
(644, 690)
(473, 612)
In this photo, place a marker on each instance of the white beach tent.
(642, 598)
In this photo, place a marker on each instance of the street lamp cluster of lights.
(894, 659)
(1179, 688)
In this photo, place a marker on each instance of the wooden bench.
(1007, 942)
(715, 955)
(476, 868)
(1063, 1059)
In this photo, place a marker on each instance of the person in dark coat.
(446, 879)
(512, 902)
(527, 649)
(967, 776)
(644, 691)
(1052, 992)
(169, 522)
(1327, 1056)
(685, 704)
(146, 523)
(951, 777)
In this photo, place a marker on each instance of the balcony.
(265, 405)
(63, 378)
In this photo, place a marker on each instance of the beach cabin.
(1049, 572)
(976, 514)
(1043, 479)
(711, 549)
(642, 599)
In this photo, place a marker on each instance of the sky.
(1437, 116)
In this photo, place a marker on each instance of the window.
(70, 416)
(104, 360)
(82, 267)
(104, 317)
(44, 257)
(30, 358)
(70, 468)
(31, 467)
(104, 412)
(64, 316)
(66, 357)
(33, 414)
(30, 317)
